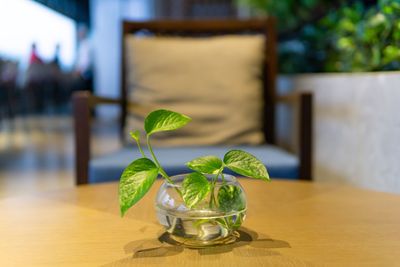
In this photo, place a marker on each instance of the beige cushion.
(214, 80)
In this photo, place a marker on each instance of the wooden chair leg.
(306, 136)
(81, 111)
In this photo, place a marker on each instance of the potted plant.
(198, 209)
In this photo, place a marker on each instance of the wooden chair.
(84, 101)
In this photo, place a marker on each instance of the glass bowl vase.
(212, 221)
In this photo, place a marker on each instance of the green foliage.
(164, 120)
(364, 39)
(195, 187)
(291, 13)
(140, 175)
(135, 182)
(206, 164)
(350, 36)
(245, 164)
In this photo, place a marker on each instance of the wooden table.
(288, 224)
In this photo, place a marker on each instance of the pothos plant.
(139, 176)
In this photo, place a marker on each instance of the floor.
(37, 152)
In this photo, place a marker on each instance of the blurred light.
(23, 22)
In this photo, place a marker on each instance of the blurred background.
(347, 52)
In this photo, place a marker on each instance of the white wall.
(356, 128)
(106, 19)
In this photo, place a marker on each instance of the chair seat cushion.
(280, 164)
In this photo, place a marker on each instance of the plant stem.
(163, 173)
(160, 169)
(223, 178)
(140, 148)
(213, 182)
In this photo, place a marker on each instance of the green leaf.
(135, 135)
(207, 164)
(195, 187)
(135, 182)
(164, 120)
(230, 198)
(245, 164)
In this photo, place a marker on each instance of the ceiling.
(78, 10)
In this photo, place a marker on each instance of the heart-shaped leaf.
(230, 198)
(135, 182)
(245, 164)
(195, 187)
(164, 120)
(207, 164)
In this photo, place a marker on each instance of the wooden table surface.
(288, 224)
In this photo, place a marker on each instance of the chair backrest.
(212, 28)
(173, 9)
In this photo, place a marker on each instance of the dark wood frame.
(84, 101)
(167, 9)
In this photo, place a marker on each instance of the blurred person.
(58, 90)
(8, 78)
(36, 82)
(84, 62)
(56, 59)
(34, 57)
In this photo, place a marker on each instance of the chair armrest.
(93, 100)
(304, 103)
(101, 100)
(291, 98)
(83, 102)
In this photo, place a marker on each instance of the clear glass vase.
(212, 221)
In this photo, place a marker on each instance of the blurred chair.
(222, 73)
